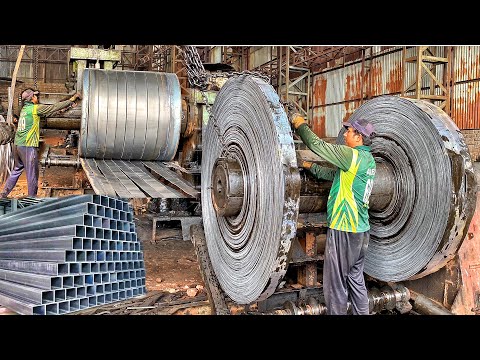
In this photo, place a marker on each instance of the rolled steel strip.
(433, 192)
(249, 251)
(130, 115)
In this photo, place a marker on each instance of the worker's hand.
(296, 119)
(75, 97)
(307, 164)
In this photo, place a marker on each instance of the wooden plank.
(433, 97)
(434, 77)
(11, 91)
(99, 183)
(434, 59)
(171, 177)
(111, 175)
(146, 181)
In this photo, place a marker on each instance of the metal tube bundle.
(130, 115)
(433, 192)
(249, 221)
(68, 254)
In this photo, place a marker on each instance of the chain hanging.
(199, 78)
(35, 67)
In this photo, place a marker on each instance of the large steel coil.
(130, 115)
(432, 193)
(250, 189)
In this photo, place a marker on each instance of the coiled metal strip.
(130, 115)
(249, 251)
(434, 189)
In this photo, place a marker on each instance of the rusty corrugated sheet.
(466, 91)
(341, 91)
(466, 105)
(319, 90)
(383, 76)
(388, 71)
(386, 74)
(327, 120)
(467, 63)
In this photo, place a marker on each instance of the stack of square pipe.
(68, 254)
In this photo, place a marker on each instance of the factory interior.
(175, 184)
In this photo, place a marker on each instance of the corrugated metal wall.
(466, 89)
(338, 93)
(47, 72)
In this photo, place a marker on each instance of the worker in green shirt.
(27, 138)
(347, 211)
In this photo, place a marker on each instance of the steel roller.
(250, 189)
(130, 115)
(427, 172)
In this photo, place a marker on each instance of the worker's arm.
(322, 172)
(47, 110)
(318, 171)
(338, 155)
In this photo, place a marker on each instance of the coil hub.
(227, 192)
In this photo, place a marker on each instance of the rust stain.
(319, 99)
(394, 82)
(466, 106)
(353, 86)
(348, 86)
(353, 93)
(318, 123)
(319, 91)
(477, 66)
(376, 78)
(461, 70)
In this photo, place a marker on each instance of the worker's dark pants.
(26, 157)
(343, 279)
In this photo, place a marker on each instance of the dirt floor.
(170, 263)
(173, 280)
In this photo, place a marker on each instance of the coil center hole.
(227, 180)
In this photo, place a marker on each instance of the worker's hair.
(367, 140)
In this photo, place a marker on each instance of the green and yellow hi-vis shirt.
(347, 206)
(28, 128)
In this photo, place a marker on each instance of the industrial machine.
(260, 230)
(262, 215)
(125, 133)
